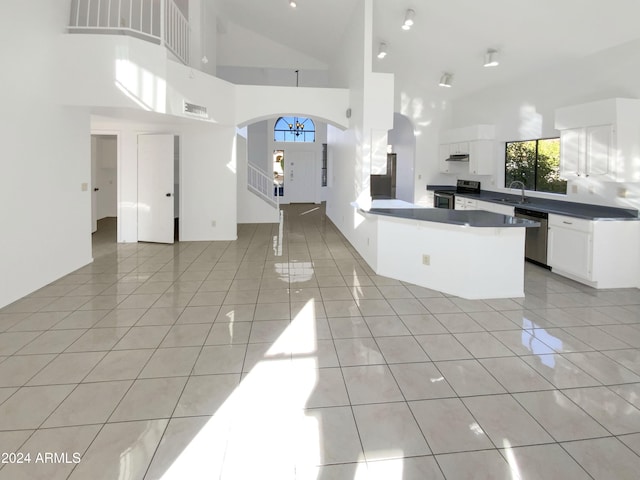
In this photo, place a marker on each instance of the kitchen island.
(469, 254)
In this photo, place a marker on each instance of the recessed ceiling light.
(382, 50)
(408, 19)
(445, 80)
(293, 4)
(491, 58)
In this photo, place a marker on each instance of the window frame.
(286, 131)
(535, 168)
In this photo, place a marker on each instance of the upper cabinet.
(588, 151)
(476, 142)
(600, 139)
(481, 157)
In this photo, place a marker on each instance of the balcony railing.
(158, 21)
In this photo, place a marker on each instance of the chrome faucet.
(523, 199)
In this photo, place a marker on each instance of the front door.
(300, 178)
(155, 188)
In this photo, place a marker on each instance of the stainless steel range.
(446, 198)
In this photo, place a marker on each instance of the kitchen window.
(535, 163)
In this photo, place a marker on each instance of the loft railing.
(158, 21)
(263, 185)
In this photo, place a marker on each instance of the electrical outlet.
(367, 241)
(574, 188)
(622, 192)
(426, 259)
(213, 223)
(84, 187)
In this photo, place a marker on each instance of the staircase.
(262, 185)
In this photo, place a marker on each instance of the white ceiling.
(450, 35)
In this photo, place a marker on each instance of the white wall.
(255, 103)
(273, 76)
(524, 110)
(208, 182)
(240, 47)
(258, 146)
(46, 214)
(351, 152)
(202, 15)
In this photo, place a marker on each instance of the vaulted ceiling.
(452, 35)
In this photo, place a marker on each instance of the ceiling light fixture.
(491, 58)
(382, 50)
(293, 4)
(408, 19)
(297, 127)
(445, 80)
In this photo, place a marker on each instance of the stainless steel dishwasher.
(535, 245)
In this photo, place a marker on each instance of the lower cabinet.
(570, 246)
(466, 203)
(598, 253)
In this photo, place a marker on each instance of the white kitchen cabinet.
(452, 166)
(429, 198)
(495, 207)
(460, 148)
(443, 153)
(598, 253)
(470, 204)
(600, 139)
(481, 157)
(570, 246)
(460, 204)
(588, 151)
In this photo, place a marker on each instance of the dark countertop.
(447, 188)
(558, 207)
(468, 218)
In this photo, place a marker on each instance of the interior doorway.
(104, 186)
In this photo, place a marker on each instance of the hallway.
(283, 356)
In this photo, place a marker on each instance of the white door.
(155, 188)
(94, 186)
(599, 147)
(300, 177)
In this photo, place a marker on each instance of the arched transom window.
(294, 129)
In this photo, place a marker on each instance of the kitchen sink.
(510, 200)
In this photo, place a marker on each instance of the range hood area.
(458, 157)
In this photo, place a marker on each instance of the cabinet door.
(461, 148)
(572, 151)
(481, 157)
(570, 251)
(599, 150)
(459, 204)
(470, 204)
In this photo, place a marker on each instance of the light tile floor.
(283, 356)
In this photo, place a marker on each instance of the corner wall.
(46, 214)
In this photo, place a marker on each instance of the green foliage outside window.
(536, 163)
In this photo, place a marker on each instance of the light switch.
(84, 187)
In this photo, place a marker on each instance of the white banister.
(263, 185)
(174, 31)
